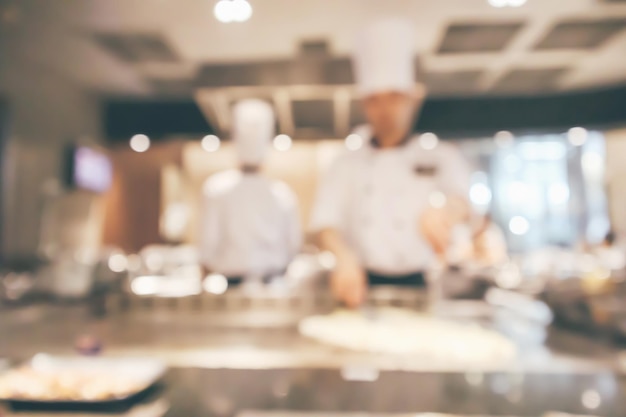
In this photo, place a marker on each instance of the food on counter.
(26, 383)
(88, 345)
(400, 331)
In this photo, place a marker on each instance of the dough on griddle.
(401, 331)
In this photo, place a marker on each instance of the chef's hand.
(436, 227)
(348, 282)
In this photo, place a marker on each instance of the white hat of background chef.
(383, 57)
(252, 130)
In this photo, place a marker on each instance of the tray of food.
(56, 381)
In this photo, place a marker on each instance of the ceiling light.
(227, 11)
(215, 284)
(145, 285)
(242, 10)
(480, 194)
(577, 136)
(519, 225)
(354, 142)
(210, 143)
(140, 143)
(282, 143)
(504, 138)
(499, 3)
(117, 263)
(223, 11)
(506, 3)
(428, 141)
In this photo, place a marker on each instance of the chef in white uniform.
(250, 226)
(380, 209)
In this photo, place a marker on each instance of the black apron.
(235, 281)
(413, 280)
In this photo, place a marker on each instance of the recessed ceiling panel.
(314, 115)
(455, 82)
(134, 48)
(581, 34)
(244, 74)
(338, 71)
(472, 37)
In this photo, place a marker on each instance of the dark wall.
(487, 115)
(155, 118)
(448, 117)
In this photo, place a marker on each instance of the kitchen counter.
(221, 367)
(223, 392)
(194, 392)
(264, 339)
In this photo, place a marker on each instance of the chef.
(250, 226)
(381, 209)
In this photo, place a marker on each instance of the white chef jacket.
(250, 225)
(462, 247)
(374, 197)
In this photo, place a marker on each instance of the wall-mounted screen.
(88, 169)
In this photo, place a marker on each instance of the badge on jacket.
(425, 170)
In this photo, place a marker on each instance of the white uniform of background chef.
(372, 210)
(251, 227)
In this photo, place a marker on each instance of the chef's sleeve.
(455, 176)
(209, 230)
(330, 207)
(294, 230)
(289, 209)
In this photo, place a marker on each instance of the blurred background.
(113, 113)
(96, 74)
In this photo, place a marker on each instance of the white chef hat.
(383, 58)
(252, 130)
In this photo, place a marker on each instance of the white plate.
(144, 371)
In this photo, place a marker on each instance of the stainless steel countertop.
(212, 339)
(202, 392)
(225, 363)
